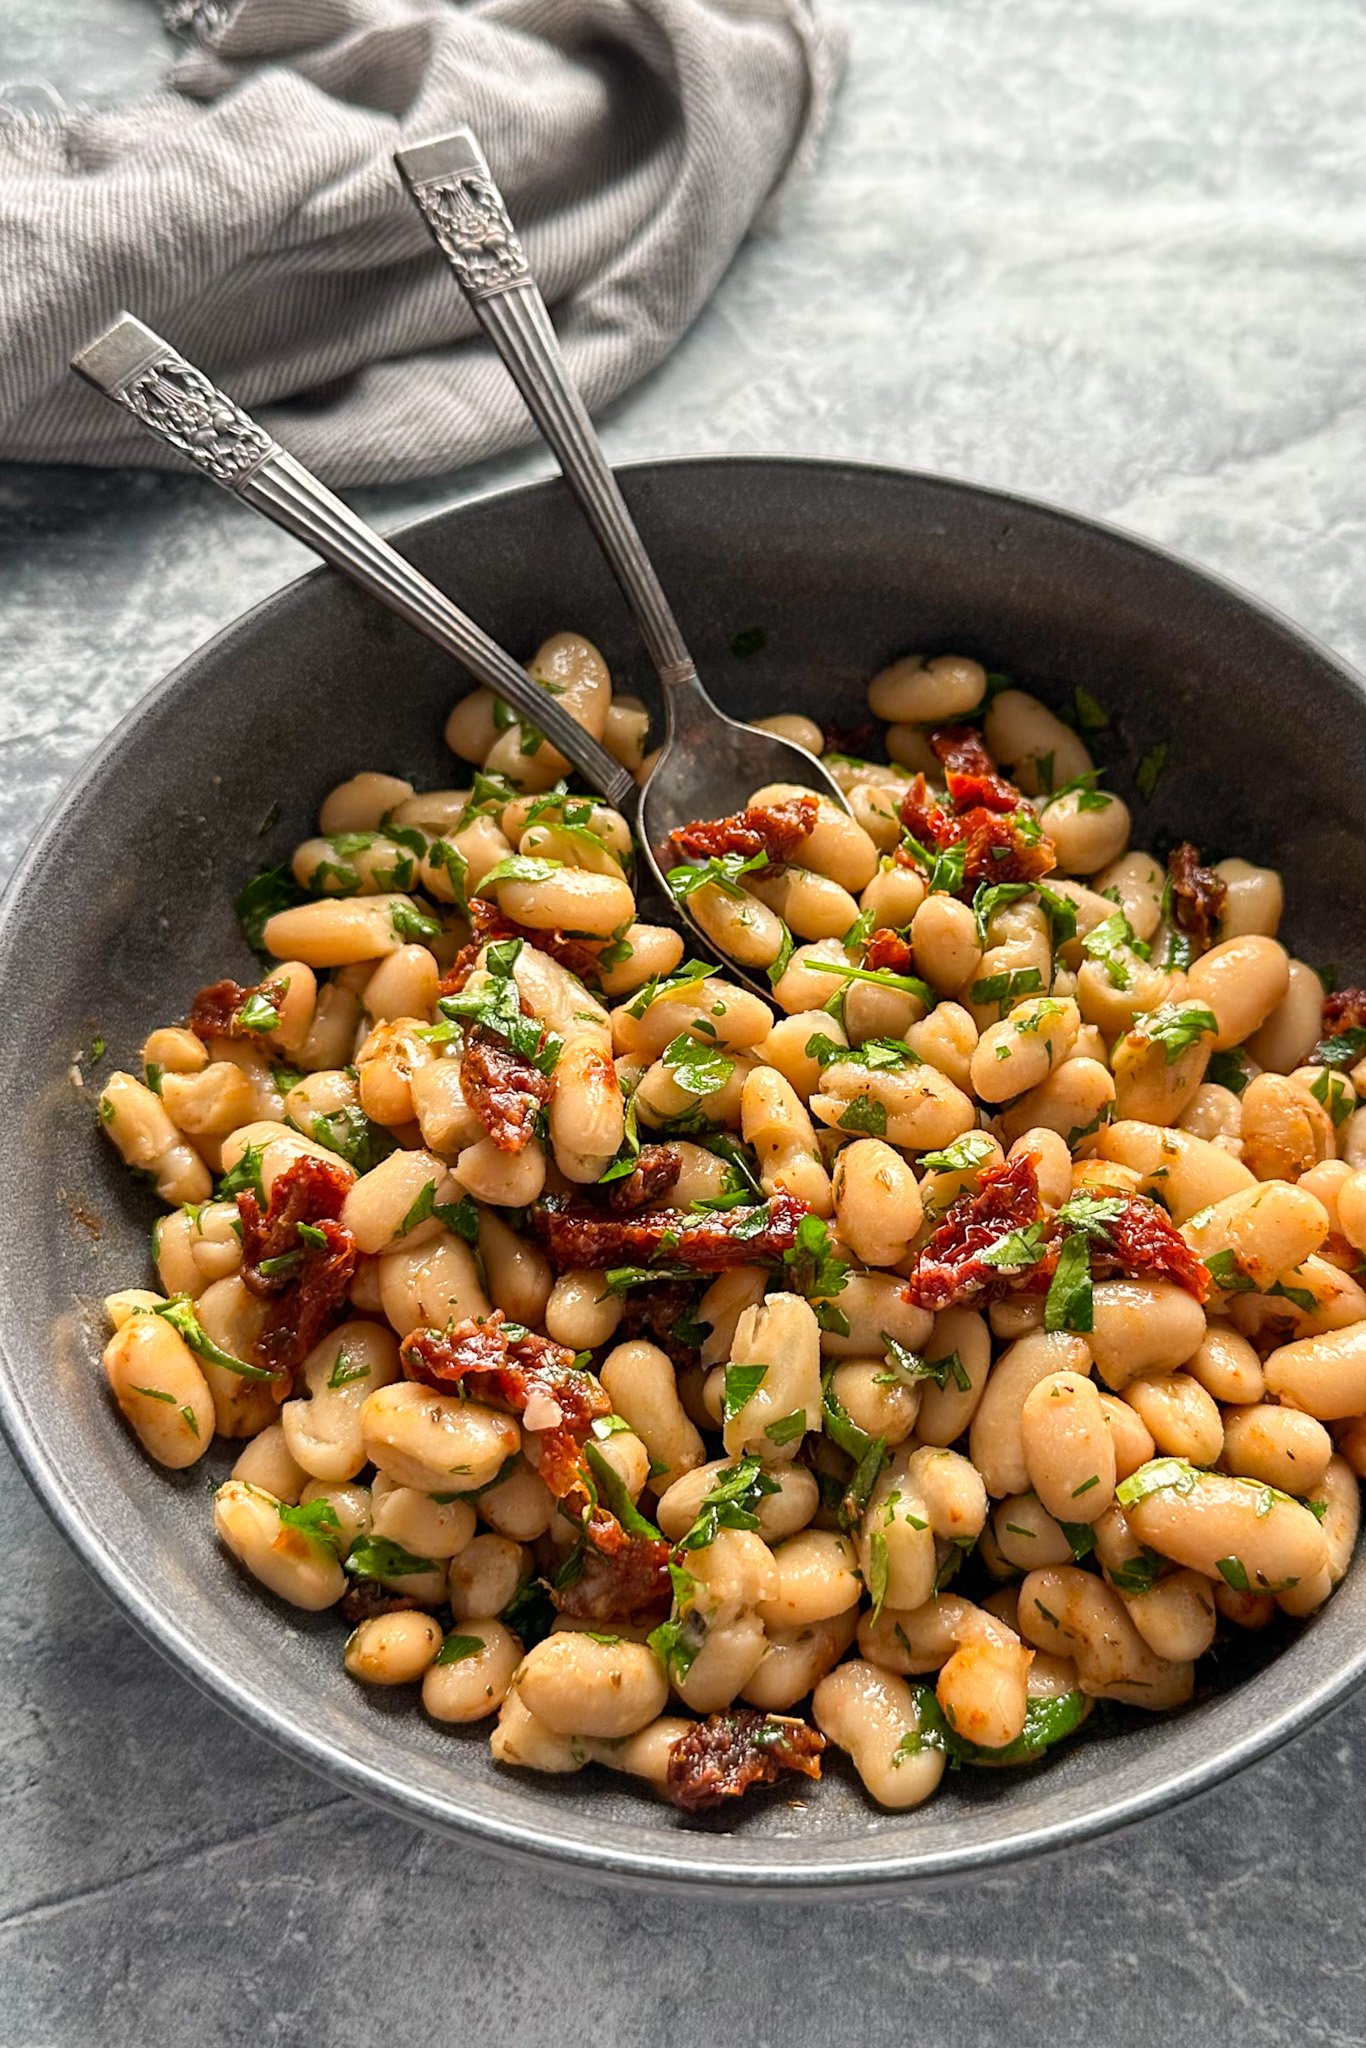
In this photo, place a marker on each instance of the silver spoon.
(176, 402)
(709, 765)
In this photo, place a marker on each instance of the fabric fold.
(251, 213)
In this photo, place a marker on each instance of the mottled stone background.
(1104, 251)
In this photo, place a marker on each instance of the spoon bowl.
(710, 767)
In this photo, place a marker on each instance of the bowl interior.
(123, 909)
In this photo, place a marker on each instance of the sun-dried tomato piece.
(1340, 1251)
(721, 1757)
(926, 819)
(622, 1577)
(709, 1243)
(216, 1010)
(854, 740)
(889, 950)
(962, 750)
(1345, 1010)
(310, 1191)
(658, 1313)
(1143, 1240)
(970, 772)
(503, 1087)
(581, 960)
(707, 836)
(1005, 848)
(213, 1012)
(1197, 894)
(950, 1267)
(656, 1171)
(775, 829)
(307, 1282)
(998, 846)
(533, 1376)
(365, 1598)
(467, 959)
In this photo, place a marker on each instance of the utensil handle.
(171, 398)
(450, 183)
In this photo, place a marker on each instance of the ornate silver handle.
(172, 399)
(453, 189)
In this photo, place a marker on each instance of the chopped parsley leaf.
(273, 890)
(1176, 1027)
(412, 925)
(695, 1068)
(181, 1314)
(1006, 988)
(1069, 1302)
(865, 1116)
(379, 1557)
(990, 898)
(350, 1133)
(722, 871)
(1016, 1249)
(1150, 769)
(1109, 942)
(741, 1383)
(455, 1649)
(964, 1155)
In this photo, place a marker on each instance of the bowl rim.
(803, 1873)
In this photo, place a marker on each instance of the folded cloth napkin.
(252, 214)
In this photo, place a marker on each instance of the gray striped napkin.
(251, 212)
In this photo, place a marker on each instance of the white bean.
(294, 1562)
(873, 1715)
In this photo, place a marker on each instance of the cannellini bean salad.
(685, 1383)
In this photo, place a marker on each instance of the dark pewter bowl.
(123, 908)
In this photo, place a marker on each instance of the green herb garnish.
(1069, 1303)
(273, 890)
(722, 871)
(412, 925)
(378, 1557)
(741, 1383)
(1150, 769)
(696, 1068)
(1109, 942)
(316, 1519)
(351, 1134)
(344, 1371)
(1176, 1027)
(992, 897)
(964, 1155)
(455, 1649)
(183, 1318)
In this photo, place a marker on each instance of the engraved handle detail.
(449, 180)
(139, 371)
(176, 402)
(472, 228)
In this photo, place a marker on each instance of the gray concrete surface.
(1103, 251)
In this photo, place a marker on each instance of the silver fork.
(178, 403)
(709, 764)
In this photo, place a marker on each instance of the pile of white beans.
(1245, 1421)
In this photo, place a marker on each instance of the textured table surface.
(1107, 253)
